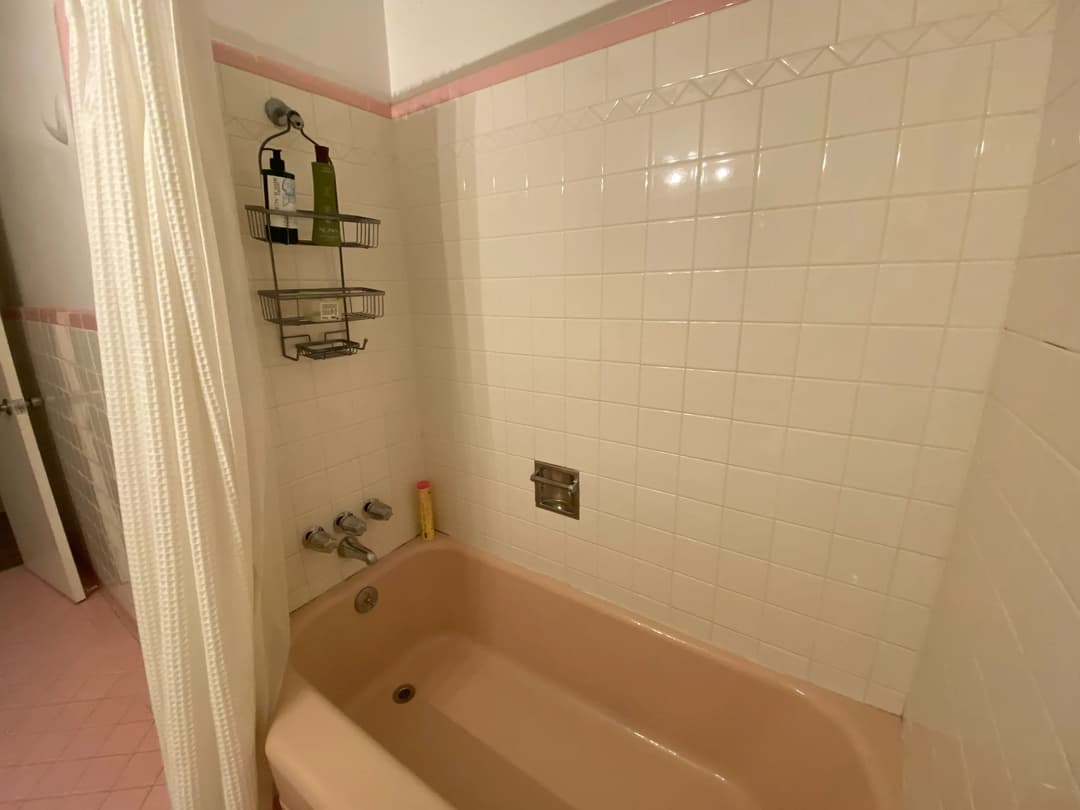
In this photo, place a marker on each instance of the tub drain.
(404, 693)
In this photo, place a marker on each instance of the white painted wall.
(40, 199)
(341, 40)
(429, 38)
(387, 48)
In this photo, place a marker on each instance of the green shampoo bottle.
(324, 186)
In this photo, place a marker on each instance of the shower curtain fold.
(184, 390)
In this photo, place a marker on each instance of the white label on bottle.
(328, 311)
(281, 192)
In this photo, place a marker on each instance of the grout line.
(952, 294)
(862, 365)
(735, 374)
(819, 179)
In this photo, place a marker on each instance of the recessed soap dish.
(557, 489)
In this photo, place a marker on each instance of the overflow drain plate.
(404, 693)
(366, 599)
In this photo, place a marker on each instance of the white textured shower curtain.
(184, 389)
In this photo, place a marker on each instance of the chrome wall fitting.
(282, 115)
(349, 524)
(377, 510)
(557, 489)
(366, 599)
(317, 539)
(352, 549)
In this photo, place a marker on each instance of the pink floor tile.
(102, 773)
(150, 741)
(108, 711)
(12, 750)
(40, 719)
(158, 799)
(18, 782)
(63, 690)
(139, 709)
(47, 747)
(142, 771)
(11, 719)
(76, 732)
(98, 686)
(72, 716)
(87, 742)
(130, 684)
(61, 778)
(124, 738)
(85, 801)
(55, 803)
(125, 799)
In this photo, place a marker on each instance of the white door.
(25, 490)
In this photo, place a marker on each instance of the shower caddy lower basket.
(317, 306)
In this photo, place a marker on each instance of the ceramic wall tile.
(1004, 573)
(348, 429)
(67, 372)
(738, 35)
(747, 274)
(681, 51)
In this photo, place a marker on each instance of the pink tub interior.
(530, 695)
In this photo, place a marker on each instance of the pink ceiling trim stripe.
(280, 72)
(78, 318)
(602, 36)
(64, 36)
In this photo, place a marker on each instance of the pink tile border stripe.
(593, 39)
(78, 318)
(232, 56)
(601, 36)
(64, 36)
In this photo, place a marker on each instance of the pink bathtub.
(477, 685)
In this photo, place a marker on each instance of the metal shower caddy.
(292, 307)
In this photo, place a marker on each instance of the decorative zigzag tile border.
(1024, 17)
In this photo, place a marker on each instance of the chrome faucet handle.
(377, 510)
(317, 539)
(350, 524)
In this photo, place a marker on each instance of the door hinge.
(14, 406)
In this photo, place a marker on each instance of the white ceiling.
(428, 39)
(389, 48)
(341, 40)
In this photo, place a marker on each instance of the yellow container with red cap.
(427, 514)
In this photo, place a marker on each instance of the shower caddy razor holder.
(304, 306)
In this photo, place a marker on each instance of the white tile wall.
(345, 429)
(758, 310)
(992, 719)
(67, 372)
(756, 307)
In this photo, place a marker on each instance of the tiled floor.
(76, 731)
